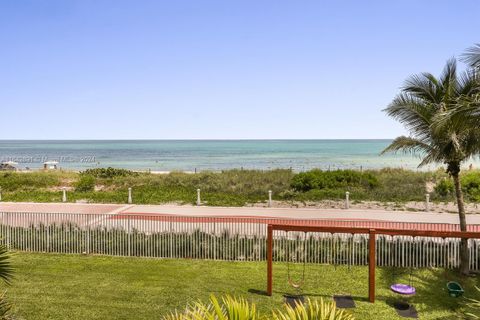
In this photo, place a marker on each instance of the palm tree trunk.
(464, 254)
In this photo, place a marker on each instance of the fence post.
(198, 197)
(372, 261)
(7, 233)
(214, 240)
(427, 202)
(47, 228)
(88, 241)
(347, 200)
(129, 244)
(170, 254)
(269, 198)
(129, 195)
(64, 195)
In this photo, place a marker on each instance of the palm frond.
(412, 112)
(312, 310)
(6, 270)
(407, 145)
(423, 87)
(448, 79)
(464, 117)
(472, 56)
(468, 84)
(6, 308)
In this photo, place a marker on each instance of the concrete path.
(250, 212)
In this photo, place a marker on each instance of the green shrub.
(471, 185)
(318, 179)
(108, 173)
(86, 183)
(444, 188)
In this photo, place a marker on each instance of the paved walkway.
(84, 208)
(250, 212)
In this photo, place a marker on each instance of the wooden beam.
(392, 232)
(372, 262)
(269, 260)
(319, 229)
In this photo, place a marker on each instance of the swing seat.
(403, 289)
(295, 285)
(455, 290)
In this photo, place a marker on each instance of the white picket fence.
(236, 239)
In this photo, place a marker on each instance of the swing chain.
(299, 284)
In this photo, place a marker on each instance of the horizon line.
(202, 139)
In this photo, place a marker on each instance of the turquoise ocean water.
(191, 155)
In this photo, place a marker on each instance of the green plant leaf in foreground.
(233, 308)
(312, 310)
(474, 304)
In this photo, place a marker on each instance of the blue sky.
(218, 69)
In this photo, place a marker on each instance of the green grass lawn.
(52, 286)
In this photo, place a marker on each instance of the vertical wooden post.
(269, 260)
(427, 202)
(372, 261)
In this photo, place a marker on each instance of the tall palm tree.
(424, 99)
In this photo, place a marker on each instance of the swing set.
(335, 252)
(402, 289)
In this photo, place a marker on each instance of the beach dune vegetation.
(85, 183)
(318, 179)
(237, 187)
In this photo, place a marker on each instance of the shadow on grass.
(431, 292)
(258, 292)
(319, 295)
